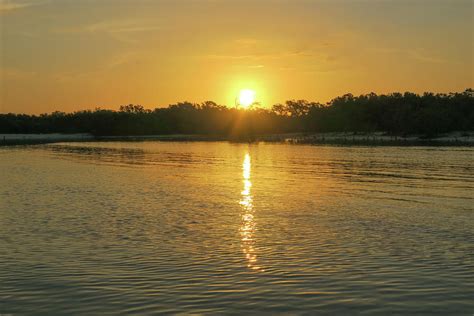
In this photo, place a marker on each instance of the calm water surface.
(92, 228)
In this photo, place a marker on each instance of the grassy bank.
(344, 139)
(381, 139)
(32, 139)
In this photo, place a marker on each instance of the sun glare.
(246, 97)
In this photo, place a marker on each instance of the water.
(93, 228)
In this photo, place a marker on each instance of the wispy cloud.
(425, 58)
(16, 74)
(10, 5)
(273, 55)
(123, 30)
(246, 42)
(130, 26)
(418, 55)
(127, 57)
(294, 61)
(114, 62)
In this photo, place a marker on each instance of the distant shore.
(381, 139)
(337, 138)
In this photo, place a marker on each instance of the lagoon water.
(202, 227)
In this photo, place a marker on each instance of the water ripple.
(211, 228)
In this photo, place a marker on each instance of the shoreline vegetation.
(334, 138)
(370, 119)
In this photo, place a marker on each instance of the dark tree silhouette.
(396, 114)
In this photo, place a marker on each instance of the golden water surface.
(147, 227)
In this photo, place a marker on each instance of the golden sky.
(81, 54)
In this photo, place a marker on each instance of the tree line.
(395, 114)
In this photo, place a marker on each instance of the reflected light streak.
(247, 228)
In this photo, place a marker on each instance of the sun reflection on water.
(247, 228)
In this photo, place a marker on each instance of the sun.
(246, 98)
